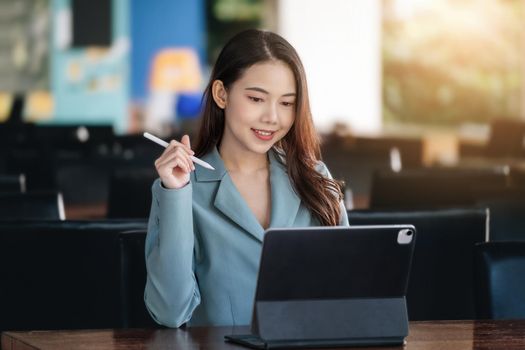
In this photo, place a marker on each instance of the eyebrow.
(266, 92)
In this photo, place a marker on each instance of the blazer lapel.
(228, 200)
(285, 202)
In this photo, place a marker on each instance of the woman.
(206, 226)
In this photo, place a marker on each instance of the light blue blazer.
(204, 243)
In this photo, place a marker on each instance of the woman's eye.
(288, 104)
(255, 99)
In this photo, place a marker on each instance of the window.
(451, 61)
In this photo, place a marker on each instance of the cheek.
(239, 111)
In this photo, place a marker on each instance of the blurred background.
(394, 84)
(419, 105)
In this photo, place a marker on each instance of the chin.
(260, 148)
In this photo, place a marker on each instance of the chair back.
(32, 206)
(506, 138)
(12, 183)
(62, 275)
(500, 282)
(130, 192)
(441, 279)
(429, 188)
(133, 276)
(507, 217)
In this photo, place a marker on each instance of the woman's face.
(259, 107)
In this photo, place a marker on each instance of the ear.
(219, 93)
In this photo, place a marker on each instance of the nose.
(271, 114)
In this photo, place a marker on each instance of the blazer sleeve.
(172, 293)
(323, 169)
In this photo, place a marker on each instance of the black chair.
(354, 159)
(355, 168)
(83, 182)
(506, 138)
(84, 138)
(133, 275)
(505, 141)
(507, 217)
(63, 274)
(13, 135)
(32, 206)
(429, 188)
(130, 192)
(441, 280)
(517, 175)
(136, 149)
(12, 183)
(500, 282)
(410, 148)
(39, 164)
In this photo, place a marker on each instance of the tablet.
(332, 286)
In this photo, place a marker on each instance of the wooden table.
(86, 211)
(453, 335)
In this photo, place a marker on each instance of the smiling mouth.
(264, 135)
(263, 132)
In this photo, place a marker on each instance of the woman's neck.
(242, 161)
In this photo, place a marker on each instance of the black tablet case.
(342, 286)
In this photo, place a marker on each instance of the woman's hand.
(174, 165)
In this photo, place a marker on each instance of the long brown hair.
(300, 146)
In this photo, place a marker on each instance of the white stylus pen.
(165, 144)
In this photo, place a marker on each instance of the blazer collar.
(206, 175)
(228, 200)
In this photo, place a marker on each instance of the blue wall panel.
(159, 24)
(89, 85)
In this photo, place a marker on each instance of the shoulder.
(320, 166)
(322, 169)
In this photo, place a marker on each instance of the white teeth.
(263, 133)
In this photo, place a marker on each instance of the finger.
(181, 156)
(173, 144)
(168, 160)
(190, 164)
(188, 160)
(175, 164)
(167, 154)
(172, 149)
(161, 161)
(186, 141)
(181, 164)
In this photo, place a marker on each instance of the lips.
(265, 135)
